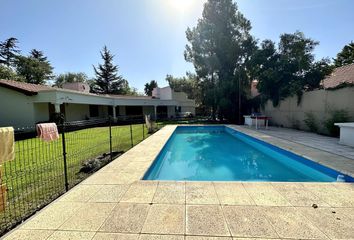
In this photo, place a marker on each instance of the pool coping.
(127, 170)
(341, 164)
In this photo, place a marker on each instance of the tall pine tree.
(35, 68)
(107, 80)
(219, 47)
(8, 51)
(346, 56)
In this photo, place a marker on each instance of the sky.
(147, 37)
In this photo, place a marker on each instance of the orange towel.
(7, 144)
(47, 131)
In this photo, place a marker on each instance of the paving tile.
(170, 192)
(263, 194)
(52, 216)
(104, 178)
(80, 193)
(298, 195)
(334, 222)
(258, 239)
(232, 194)
(332, 195)
(206, 220)
(201, 193)
(115, 236)
(140, 192)
(110, 193)
(207, 238)
(71, 235)
(165, 219)
(289, 223)
(248, 221)
(160, 237)
(126, 218)
(29, 235)
(89, 217)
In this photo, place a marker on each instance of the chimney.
(77, 86)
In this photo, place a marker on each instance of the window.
(94, 111)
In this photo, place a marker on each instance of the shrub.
(337, 116)
(311, 122)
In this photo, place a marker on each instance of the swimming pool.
(220, 153)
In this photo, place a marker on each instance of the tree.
(288, 69)
(9, 74)
(107, 80)
(8, 51)
(34, 69)
(219, 48)
(187, 84)
(39, 55)
(70, 77)
(149, 87)
(346, 56)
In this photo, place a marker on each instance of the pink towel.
(47, 131)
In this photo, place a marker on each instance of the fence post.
(143, 131)
(64, 157)
(131, 135)
(110, 138)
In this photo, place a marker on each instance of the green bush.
(337, 116)
(311, 122)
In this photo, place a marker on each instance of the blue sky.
(148, 36)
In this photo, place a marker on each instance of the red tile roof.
(32, 89)
(26, 88)
(341, 75)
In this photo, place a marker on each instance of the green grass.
(36, 176)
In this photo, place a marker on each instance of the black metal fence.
(42, 171)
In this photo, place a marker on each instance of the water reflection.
(217, 155)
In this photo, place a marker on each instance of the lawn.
(36, 176)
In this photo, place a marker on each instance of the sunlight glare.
(181, 5)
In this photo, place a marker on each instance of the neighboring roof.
(126, 96)
(30, 89)
(340, 76)
(25, 88)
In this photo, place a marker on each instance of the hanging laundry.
(47, 131)
(7, 144)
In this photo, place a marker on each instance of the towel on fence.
(47, 131)
(147, 122)
(7, 144)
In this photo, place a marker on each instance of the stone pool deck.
(115, 204)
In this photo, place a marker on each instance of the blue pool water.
(218, 153)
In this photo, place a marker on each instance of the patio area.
(115, 204)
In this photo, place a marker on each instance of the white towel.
(7, 144)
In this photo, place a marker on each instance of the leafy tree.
(289, 69)
(70, 77)
(149, 87)
(39, 55)
(107, 80)
(34, 69)
(8, 51)
(346, 56)
(9, 73)
(187, 84)
(219, 48)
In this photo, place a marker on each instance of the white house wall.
(16, 109)
(41, 112)
(74, 112)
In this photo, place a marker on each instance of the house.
(341, 76)
(24, 104)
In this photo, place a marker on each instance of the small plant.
(337, 116)
(311, 122)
